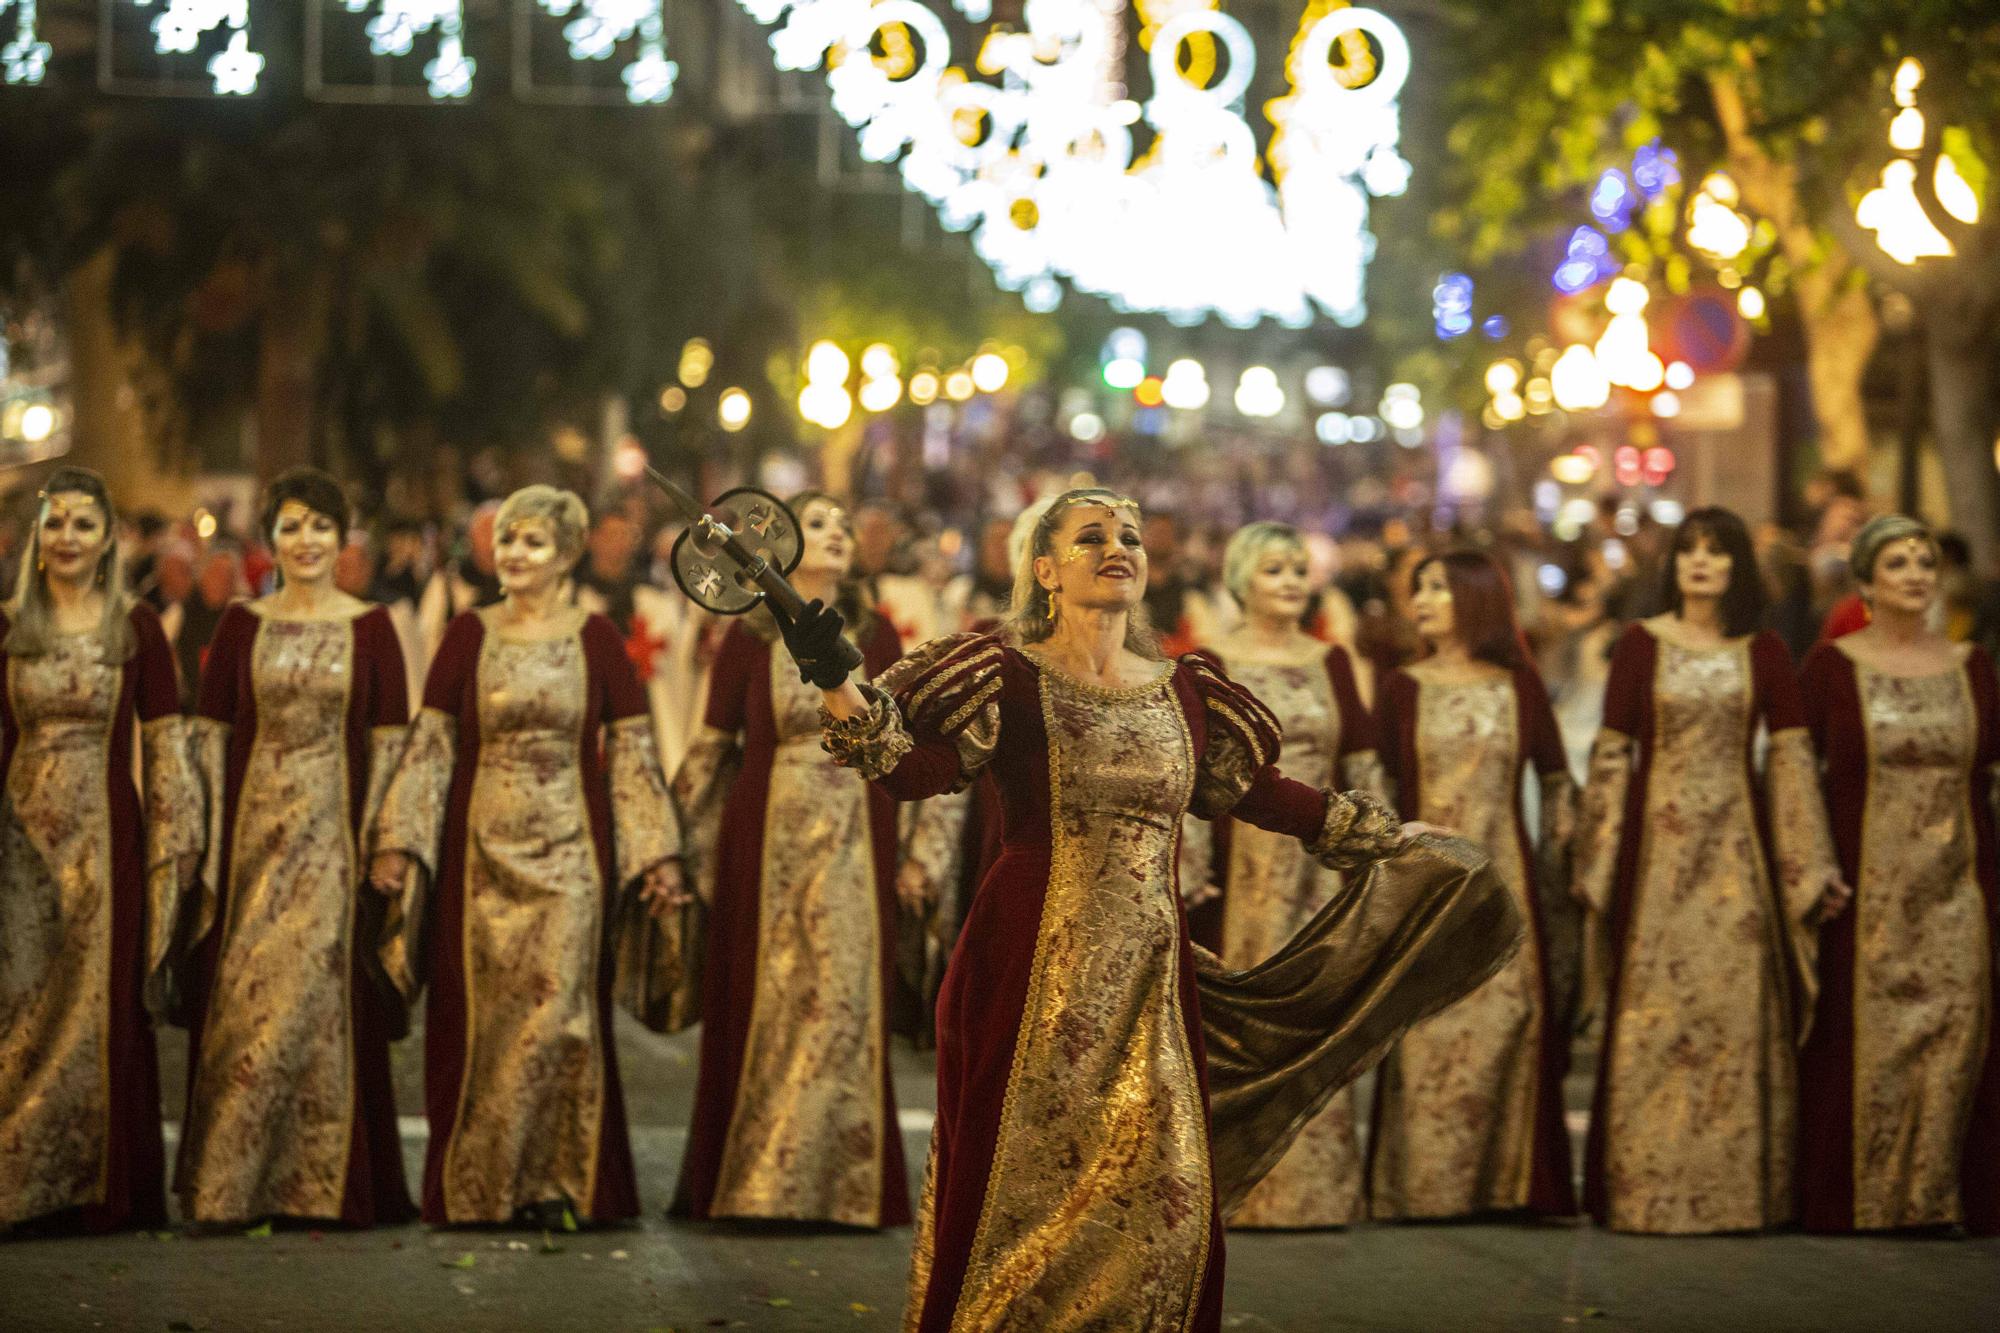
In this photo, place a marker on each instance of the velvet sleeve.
(702, 782)
(1986, 778)
(1360, 759)
(380, 653)
(645, 830)
(933, 721)
(219, 704)
(1395, 709)
(1801, 843)
(1816, 678)
(173, 808)
(1607, 785)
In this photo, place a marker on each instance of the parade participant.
(1900, 1080)
(94, 871)
(302, 716)
(1708, 886)
(1270, 887)
(530, 800)
(1095, 1119)
(794, 1116)
(1468, 1106)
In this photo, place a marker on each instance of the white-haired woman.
(1079, 1172)
(1269, 887)
(530, 798)
(1900, 1079)
(93, 872)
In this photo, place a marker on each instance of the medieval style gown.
(1468, 1114)
(794, 1116)
(290, 1111)
(1901, 1076)
(1707, 880)
(1096, 1118)
(531, 793)
(90, 912)
(1271, 888)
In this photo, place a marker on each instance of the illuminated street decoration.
(597, 27)
(1892, 210)
(1039, 165)
(395, 25)
(25, 57)
(179, 25)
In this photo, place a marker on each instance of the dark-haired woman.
(794, 1116)
(1901, 1078)
(1096, 1119)
(1468, 1106)
(302, 715)
(1707, 882)
(93, 873)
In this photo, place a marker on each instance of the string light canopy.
(216, 35)
(24, 58)
(1039, 164)
(595, 33)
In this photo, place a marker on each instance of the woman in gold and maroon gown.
(1708, 886)
(1269, 887)
(302, 715)
(1468, 1113)
(1901, 1076)
(1095, 1119)
(794, 1117)
(93, 874)
(531, 798)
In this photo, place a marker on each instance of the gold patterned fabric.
(1271, 888)
(701, 790)
(55, 931)
(1097, 1208)
(806, 1137)
(410, 819)
(1701, 1078)
(271, 1110)
(171, 797)
(1456, 1106)
(1923, 952)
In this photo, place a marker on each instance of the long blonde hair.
(32, 631)
(1028, 611)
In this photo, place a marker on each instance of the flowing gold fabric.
(1802, 853)
(701, 791)
(1457, 1095)
(1097, 1207)
(208, 751)
(1410, 935)
(391, 924)
(270, 1116)
(657, 963)
(1923, 954)
(1702, 1082)
(1273, 888)
(410, 819)
(645, 829)
(806, 1137)
(55, 931)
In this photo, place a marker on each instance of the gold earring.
(1052, 605)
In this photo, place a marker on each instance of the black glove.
(814, 640)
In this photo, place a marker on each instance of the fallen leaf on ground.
(780, 1302)
(859, 1308)
(466, 1260)
(262, 1231)
(620, 1254)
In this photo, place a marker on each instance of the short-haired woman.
(1468, 1106)
(94, 871)
(530, 797)
(302, 715)
(1708, 882)
(1901, 1077)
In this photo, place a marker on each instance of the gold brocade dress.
(1271, 888)
(531, 787)
(1705, 876)
(290, 1108)
(1078, 1172)
(1468, 1106)
(90, 919)
(1901, 1076)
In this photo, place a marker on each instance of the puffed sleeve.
(707, 772)
(411, 817)
(172, 802)
(933, 720)
(1236, 775)
(1600, 826)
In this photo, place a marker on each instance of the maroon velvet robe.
(123, 1181)
(377, 714)
(740, 705)
(1938, 1065)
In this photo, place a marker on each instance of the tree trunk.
(291, 349)
(1963, 355)
(111, 431)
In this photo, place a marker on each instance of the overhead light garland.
(1039, 166)
(394, 26)
(25, 57)
(179, 27)
(597, 28)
